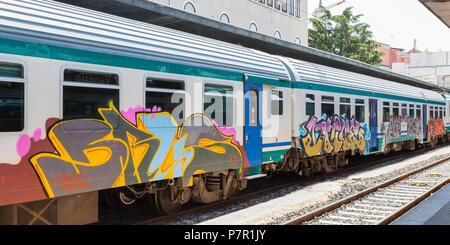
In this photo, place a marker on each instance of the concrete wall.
(430, 59)
(432, 67)
(244, 12)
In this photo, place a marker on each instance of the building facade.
(433, 67)
(284, 19)
(391, 55)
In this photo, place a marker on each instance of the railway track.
(382, 204)
(256, 188)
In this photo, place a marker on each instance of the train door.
(373, 121)
(425, 125)
(252, 128)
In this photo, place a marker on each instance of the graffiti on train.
(436, 127)
(333, 134)
(130, 148)
(393, 128)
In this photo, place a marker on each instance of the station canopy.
(440, 8)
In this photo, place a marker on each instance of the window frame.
(227, 16)
(233, 96)
(413, 108)
(87, 68)
(282, 101)
(174, 78)
(256, 26)
(193, 6)
(349, 104)
(314, 103)
(389, 106)
(277, 31)
(396, 105)
(334, 103)
(404, 106)
(363, 104)
(23, 80)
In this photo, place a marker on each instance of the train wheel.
(165, 200)
(119, 197)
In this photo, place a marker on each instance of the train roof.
(65, 25)
(329, 78)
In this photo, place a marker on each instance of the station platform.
(435, 210)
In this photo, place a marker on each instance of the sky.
(396, 22)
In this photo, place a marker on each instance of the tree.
(344, 35)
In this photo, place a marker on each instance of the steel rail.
(337, 204)
(412, 204)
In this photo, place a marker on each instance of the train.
(95, 106)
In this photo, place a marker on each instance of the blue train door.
(373, 127)
(425, 125)
(252, 128)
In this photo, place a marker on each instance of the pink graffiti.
(130, 114)
(226, 131)
(37, 135)
(23, 145)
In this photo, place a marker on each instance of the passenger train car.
(97, 103)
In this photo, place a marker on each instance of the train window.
(418, 113)
(411, 110)
(359, 110)
(11, 70)
(404, 110)
(84, 92)
(218, 104)
(12, 97)
(310, 105)
(431, 112)
(276, 99)
(359, 101)
(440, 112)
(395, 109)
(344, 107)
(252, 108)
(168, 95)
(386, 113)
(328, 105)
(11, 106)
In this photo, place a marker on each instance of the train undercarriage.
(295, 160)
(168, 196)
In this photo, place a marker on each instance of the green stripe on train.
(273, 156)
(77, 55)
